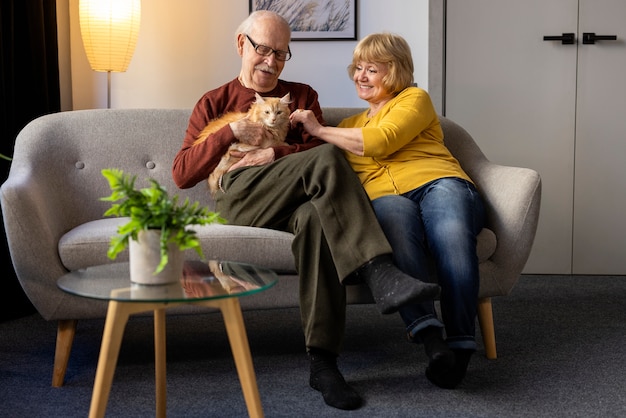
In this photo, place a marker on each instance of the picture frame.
(315, 20)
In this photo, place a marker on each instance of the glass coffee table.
(214, 284)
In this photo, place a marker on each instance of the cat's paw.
(242, 147)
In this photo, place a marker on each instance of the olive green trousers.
(316, 196)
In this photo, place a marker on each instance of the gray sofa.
(54, 218)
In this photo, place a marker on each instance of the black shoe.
(451, 378)
(326, 378)
(392, 288)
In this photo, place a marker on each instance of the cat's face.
(272, 111)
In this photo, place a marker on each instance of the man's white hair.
(246, 26)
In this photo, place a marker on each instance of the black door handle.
(591, 38)
(566, 38)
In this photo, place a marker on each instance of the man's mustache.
(265, 68)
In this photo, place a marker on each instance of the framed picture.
(314, 20)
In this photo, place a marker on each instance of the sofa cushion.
(260, 246)
(87, 245)
(486, 243)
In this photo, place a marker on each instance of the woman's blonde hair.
(392, 50)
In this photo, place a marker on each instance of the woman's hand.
(307, 119)
(348, 139)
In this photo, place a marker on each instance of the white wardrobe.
(542, 84)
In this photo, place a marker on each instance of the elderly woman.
(426, 204)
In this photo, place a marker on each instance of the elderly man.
(307, 188)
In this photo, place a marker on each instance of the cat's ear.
(286, 99)
(259, 99)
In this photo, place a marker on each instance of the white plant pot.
(162, 291)
(145, 256)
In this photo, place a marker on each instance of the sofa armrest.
(512, 196)
(33, 228)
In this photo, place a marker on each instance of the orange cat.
(272, 112)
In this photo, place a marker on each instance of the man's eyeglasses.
(266, 51)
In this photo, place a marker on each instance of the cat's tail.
(202, 136)
(214, 181)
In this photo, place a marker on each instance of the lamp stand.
(108, 89)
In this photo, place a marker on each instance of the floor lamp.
(109, 29)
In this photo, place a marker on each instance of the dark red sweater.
(194, 164)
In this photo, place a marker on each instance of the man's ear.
(241, 40)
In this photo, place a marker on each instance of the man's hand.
(259, 156)
(248, 132)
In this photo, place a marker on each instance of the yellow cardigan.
(403, 146)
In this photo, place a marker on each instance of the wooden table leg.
(116, 320)
(117, 317)
(233, 319)
(160, 365)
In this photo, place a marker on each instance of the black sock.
(391, 288)
(326, 378)
(440, 355)
(453, 377)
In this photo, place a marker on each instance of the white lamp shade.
(109, 29)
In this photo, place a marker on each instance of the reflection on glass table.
(216, 284)
(200, 281)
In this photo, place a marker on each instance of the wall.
(187, 47)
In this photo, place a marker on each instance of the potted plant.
(157, 221)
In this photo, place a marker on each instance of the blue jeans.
(436, 226)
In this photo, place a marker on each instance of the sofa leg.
(485, 319)
(65, 338)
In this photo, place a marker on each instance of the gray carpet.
(561, 353)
